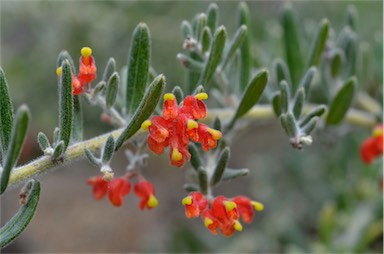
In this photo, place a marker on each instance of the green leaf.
(191, 64)
(230, 174)
(289, 124)
(310, 126)
(307, 79)
(64, 55)
(43, 141)
(58, 150)
(206, 38)
(284, 96)
(186, 29)
(109, 69)
(236, 42)
(317, 111)
(19, 131)
(15, 226)
(65, 103)
(292, 43)
(56, 135)
(282, 72)
(217, 123)
(298, 103)
(318, 44)
(336, 62)
(108, 149)
(352, 17)
(189, 187)
(77, 126)
(221, 165)
(212, 16)
(195, 156)
(199, 89)
(276, 103)
(6, 113)
(138, 66)
(215, 54)
(203, 180)
(91, 158)
(202, 21)
(245, 50)
(179, 94)
(112, 89)
(341, 102)
(251, 95)
(144, 110)
(194, 75)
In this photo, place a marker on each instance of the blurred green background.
(322, 199)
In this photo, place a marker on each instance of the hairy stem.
(76, 151)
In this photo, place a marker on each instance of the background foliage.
(316, 200)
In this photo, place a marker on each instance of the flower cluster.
(87, 71)
(372, 147)
(117, 188)
(177, 126)
(221, 213)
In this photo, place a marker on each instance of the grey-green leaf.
(77, 125)
(15, 226)
(310, 126)
(64, 55)
(245, 50)
(230, 174)
(212, 16)
(222, 163)
(292, 43)
(282, 72)
(112, 89)
(276, 103)
(186, 29)
(43, 141)
(317, 111)
(336, 63)
(91, 158)
(195, 156)
(65, 103)
(284, 96)
(318, 44)
(215, 54)
(191, 64)
(341, 102)
(236, 42)
(307, 79)
(138, 66)
(108, 149)
(298, 103)
(58, 150)
(203, 180)
(109, 69)
(19, 132)
(6, 113)
(206, 38)
(179, 94)
(189, 187)
(145, 109)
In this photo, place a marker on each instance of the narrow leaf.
(189, 187)
(291, 125)
(65, 103)
(282, 72)
(310, 126)
(191, 64)
(43, 141)
(186, 29)
(58, 150)
(245, 50)
(215, 54)
(298, 103)
(19, 131)
(6, 113)
(318, 111)
(292, 43)
(236, 42)
(195, 156)
(307, 79)
(202, 21)
(77, 126)
(203, 180)
(145, 109)
(336, 62)
(91, 158)
(112, 89)
(222, 163)
(318, 44)
(217, 123)
(212, 16)
(352, 17)
(206, 38)
(341, 102)
(138, 66)
(108, 149)
(64, 55)
(56, 135)
(284, 96)
(15, 226)
(230, 174)
(109, 69)
(194, 75)
(276, 103)
(179, 94)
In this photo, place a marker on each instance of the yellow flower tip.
(207, 222)
(216, 135)
(377, 131)
(176, 155)
(258, 206)
(187, 200)
(152, 201)
(108, 176)
(192, 124)
(201, 96)
(237, 226)
(169, 96)
(145, 125)
(86, 51)
(229, 205)
(59, 71)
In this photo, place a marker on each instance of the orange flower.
(87, 67)
(100, 186)
(145, 191)
(372, 147)
(195, 203)
(177, 126)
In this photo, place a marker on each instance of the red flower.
(246, 207)
(87, 67)
(116, 189)
(177, 126)
(145, 191)
(372, 147)
(77, 87)
(195, 203)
